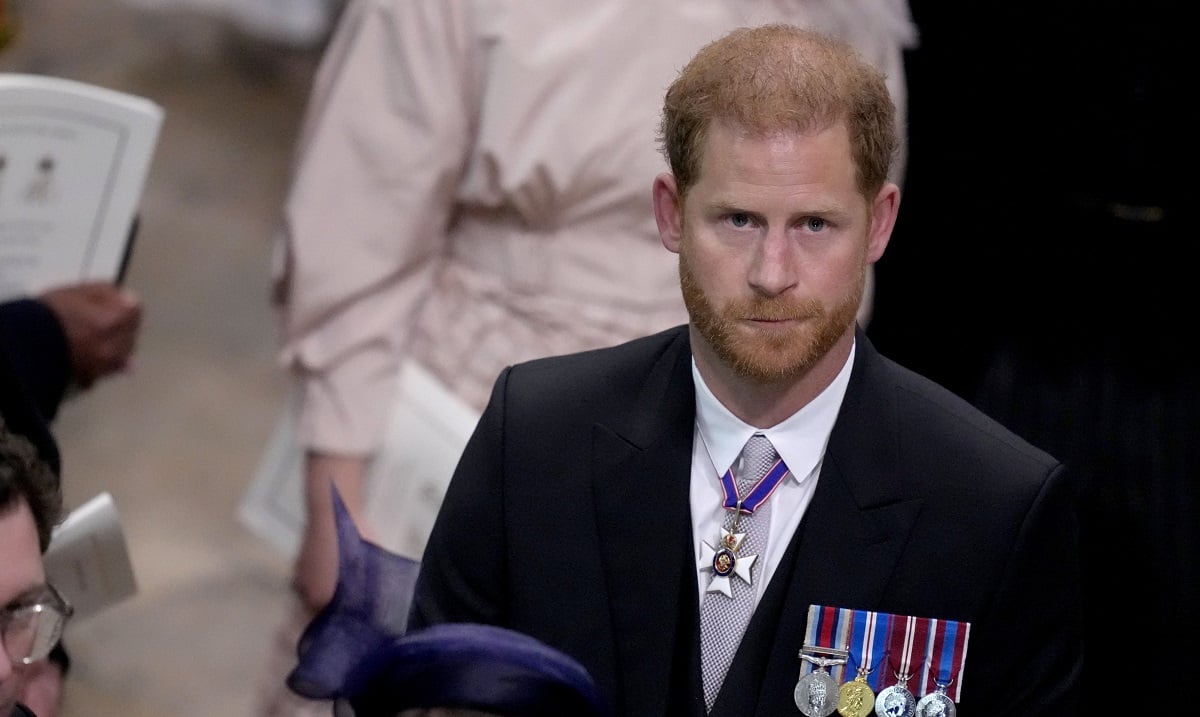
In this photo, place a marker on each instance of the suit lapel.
(861, 516)
(642, 469)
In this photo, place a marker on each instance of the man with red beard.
(603, 505)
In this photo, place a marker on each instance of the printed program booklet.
(73, 164)
(427, 429)
(88, 558)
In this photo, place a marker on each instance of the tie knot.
(757, 457)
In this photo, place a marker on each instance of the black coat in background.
(1041, 267)
(35, 370)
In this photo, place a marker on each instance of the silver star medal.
(724, 561)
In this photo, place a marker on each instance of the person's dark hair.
(23, 474)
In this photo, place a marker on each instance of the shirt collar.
(800, 439)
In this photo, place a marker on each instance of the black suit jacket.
(35, 370)
(568, 518)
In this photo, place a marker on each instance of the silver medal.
(816, 694)
(936, 704)
(895, 701)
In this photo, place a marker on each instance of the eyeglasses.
(30, 632)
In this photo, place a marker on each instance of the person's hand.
(101, 323)
(42, 688)
(316, 569)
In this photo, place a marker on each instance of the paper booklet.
(426, 432)
(73, 164)
(88, 559)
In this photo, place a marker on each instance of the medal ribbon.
(907, 639)
(861, 633)
(757, 494)
(929, 652)
(947, 652)
(868, 645)
(828, 627)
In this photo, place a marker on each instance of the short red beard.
(768, 356)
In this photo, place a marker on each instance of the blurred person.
(469, 192)
(1053, 289)
(63, 340)
(69, 337)
(299, 24)
(22, 415)
(671, 511)
(52, 344)
(444, 209)
(32, 613)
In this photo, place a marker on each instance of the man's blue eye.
(814, 224)
(739, 220)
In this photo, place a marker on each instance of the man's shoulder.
(937, 447)
(934, 412)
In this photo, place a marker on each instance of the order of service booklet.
(88, 558)
(427, 429)
(73, 164)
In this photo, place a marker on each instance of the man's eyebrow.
(724, 205)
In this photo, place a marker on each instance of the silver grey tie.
(723, 619)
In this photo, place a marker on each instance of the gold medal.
(855, 698)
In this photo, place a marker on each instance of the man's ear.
(883, 220)
(668, 211)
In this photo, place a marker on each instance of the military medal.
(946, 655)
(855, 698)
(868, 640)
(928, 651)
(816, 694)
(896, 701)
(906, 636)
(936, 704)
(723, 560)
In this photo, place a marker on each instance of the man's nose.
(773, 270)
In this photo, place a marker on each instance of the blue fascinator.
(355, 651)
(369, 609)
(477, 667)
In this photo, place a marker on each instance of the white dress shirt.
(800, 440)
